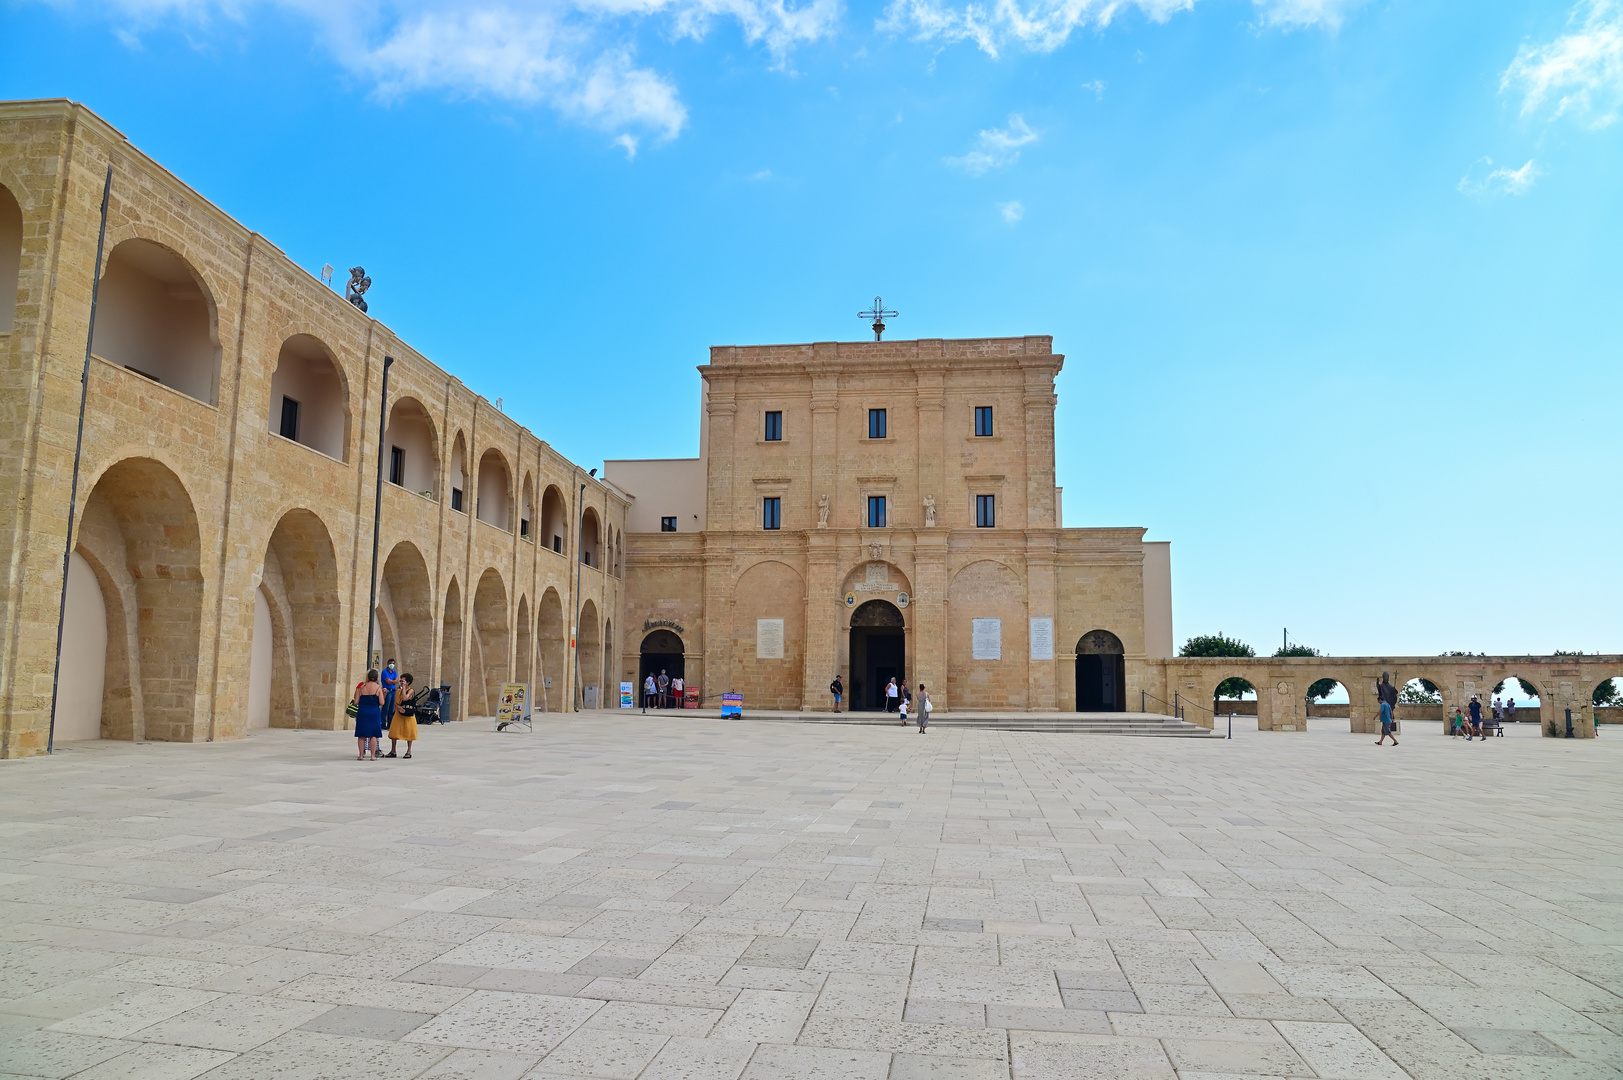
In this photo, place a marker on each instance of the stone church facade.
(885, 510)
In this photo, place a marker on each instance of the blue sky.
(1338, 282)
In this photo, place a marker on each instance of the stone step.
(1141, 724)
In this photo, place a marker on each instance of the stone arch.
(309, 397)
(524, 646)
(139, 532)
(493, 499)
(661, 650)
(552, 649)
(458, 478)
(451, 650)
(1101, 673)
(876, 578)
(589, 655)
(405, 594)
(300, 578)
(526, 509)
(82, 679)
(591, 538)
(414, 448)
(768, 590)
(987, 589)
(489, 646)
(11, 260)
(611, 685)
(554, 519)
(156, 317)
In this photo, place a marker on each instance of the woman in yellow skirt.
(403, 724)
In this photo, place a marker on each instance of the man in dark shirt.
(1476, 717)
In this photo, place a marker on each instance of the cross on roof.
(878, 315)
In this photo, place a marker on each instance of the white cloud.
(1011, 211)
(566, 55)
(1485, 180)
(628, 143)
(1046, 25)
(996, 147)
(1580, 73)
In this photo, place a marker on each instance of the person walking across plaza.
(924, 708)
(890, 696)
(368, 701)
(1388, 726)
(837, 688)
(403, 717)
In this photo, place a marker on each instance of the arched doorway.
(878, 653)
(489, 645)
(83, 675)
(1101, 673)
(552, 650)
(589, 657)
(451, 650)
(663, 651)
(299, 580)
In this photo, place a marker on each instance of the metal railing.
(1178, 704)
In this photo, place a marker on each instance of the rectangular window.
(456, 498)
(524, 527)
(397, 465)
(985, 511)
(771, 513)
(290, 419)
(983, 420)
(558, 544)
(774, 427)
(667, 524)
(876, 423)
(876, 511)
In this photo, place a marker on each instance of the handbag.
(353, 709)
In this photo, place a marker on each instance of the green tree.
(1424, 694)
(1527, 688)
(1607, 694)
(1219, 644)
(1321, 688)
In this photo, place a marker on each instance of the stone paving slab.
(631, 898)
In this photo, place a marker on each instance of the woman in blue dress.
(369, 716)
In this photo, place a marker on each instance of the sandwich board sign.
(512, 708)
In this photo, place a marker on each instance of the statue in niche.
(355, 290)
(822, 511)
(929, 511)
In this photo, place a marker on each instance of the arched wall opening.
(139, 534)
(451, 651)
(611, 685)
(1101, 673)
(591, 538)
(589, 657)
(526, 510)
(82, 679)
(414, 458)
(661, 651)
(489, 644)
(261, 664)
(300, 579)
(554, 521)
(1328, 697)
(11, 264)
(552, 650)
(524, 647)
(309, 401)
(410, 604)
(459, 473)
(878, 654)
(494, 498)
(1234, 694)
(1607, 698)
(154, 318)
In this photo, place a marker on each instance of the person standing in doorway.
(368, 716)
(664, 688)
(390, 681)
(650, 692)
(837, 688)
(403, 717)
(677, 685)
(1476, 718)
(890, 696)
(924, 709)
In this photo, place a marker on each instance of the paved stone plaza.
(683, 899)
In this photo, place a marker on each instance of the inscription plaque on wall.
(986, 639)
(769, 639)
(1042, 638)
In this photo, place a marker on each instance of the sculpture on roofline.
(355, 291)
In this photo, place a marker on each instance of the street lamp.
(580, 529)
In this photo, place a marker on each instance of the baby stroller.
(431, 709)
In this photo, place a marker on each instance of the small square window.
(774, 427)
(985, 511)
(983, 420)
(876, 510)
(771, 513)
(667, 524)
(876, 423)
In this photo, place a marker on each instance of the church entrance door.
(661, 651)
(878, 653)
(1101, 673)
